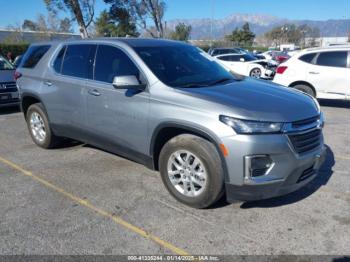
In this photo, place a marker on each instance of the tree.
(108, 25)
(243, 37)
(103, 25)
(30, 25)
(65, 26)
(140, 12)
(182, 32)
(291, 33)
(82, 11)
(48, 24)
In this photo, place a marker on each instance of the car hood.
(257, 100)
(6, 76)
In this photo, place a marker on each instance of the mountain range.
(259, 24)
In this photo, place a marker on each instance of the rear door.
(330, 73)
(65, 92)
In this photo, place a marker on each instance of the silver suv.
(173, 108)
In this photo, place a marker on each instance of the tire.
(306, 89)
(204, 176)
(37, 121)
(255, 73)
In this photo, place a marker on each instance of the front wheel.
(255, 73)
(191, 170)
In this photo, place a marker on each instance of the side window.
(334, 59)
(33, 55)
(225, 58)
(57, 64)
(308, 57)
(78, 61)
(236, 58)
(111, 62)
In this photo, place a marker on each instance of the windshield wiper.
(222, 80)
(189, 85)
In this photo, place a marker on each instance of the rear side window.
(111, 62)
(224, 58)
(308, 57)
(33, 55)
(334, 59)
(57, 64)
(230, 58)
(78, 61)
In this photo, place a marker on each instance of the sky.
(15, 11)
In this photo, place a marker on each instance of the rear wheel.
(255, 73)
(191, 170)
(39, 127)
(306, 89)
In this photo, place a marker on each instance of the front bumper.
(9, 99)
(290, 170)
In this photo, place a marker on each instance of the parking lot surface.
(81, 200)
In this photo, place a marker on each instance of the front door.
(116, 118)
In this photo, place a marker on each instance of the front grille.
(306, 142)
(301, 123)
(8, 87)
(306, 174)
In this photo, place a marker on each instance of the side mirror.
(242, 59)
(128, 82)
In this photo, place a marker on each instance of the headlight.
(251, 127)
(317, 104)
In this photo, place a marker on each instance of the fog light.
(256, 166)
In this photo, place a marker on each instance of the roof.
(335, 47)
(132, 42)
(135, 42)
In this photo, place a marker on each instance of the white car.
(320, 72)
(248, 65)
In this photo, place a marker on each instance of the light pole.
(211, 23)
(284, 32)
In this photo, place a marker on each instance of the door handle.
(48, 83)
(94, 92)
(314, 73)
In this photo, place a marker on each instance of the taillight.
(17, 75)
(281, 69)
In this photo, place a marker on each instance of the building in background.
(327, 41)
(19, 36)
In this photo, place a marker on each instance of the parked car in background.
(280, 57)
(233, 50)
(175, 109)
(277, 56)
(248, 65)
(8, 89)
(320, 72)
(267, 55)
(222, 51)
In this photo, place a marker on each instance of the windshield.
(5, 65)
(183, 66)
